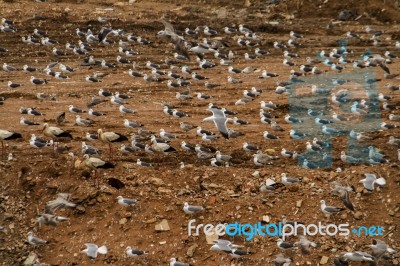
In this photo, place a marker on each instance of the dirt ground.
(229, 194)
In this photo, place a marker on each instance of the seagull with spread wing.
(169, 34)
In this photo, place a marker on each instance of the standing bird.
(329, 210)
(135, 252)
(110, 137)
(7, 135)
(55, 132)
(96, 163)
(126, 202)
(191, 209)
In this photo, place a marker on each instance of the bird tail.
(65, 135)
(108, 165)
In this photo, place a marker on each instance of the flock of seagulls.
(196, 51)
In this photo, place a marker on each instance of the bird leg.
(111, 155)
(2, 150)
(96, 183)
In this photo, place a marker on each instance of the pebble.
(358, 215)
(162, 226)
(191, 250)
(324, 260)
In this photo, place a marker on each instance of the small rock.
(210, 239)
(123, 221)
(164, 190)
(31, 260)
(391, 213)
(191, 250)
(359, 189)
(299, 203)
(343, 216)
(324, 260)
(358, 215)
(163, 226)
(156, 181)
(266, 218)
(388, 222)
(80, 209)
(293, 188)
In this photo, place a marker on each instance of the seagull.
(305, 244)
(191, 209)
(62, 201)
(125, 110)
(237, 254)
(385, 125)
(348, 159)
(90, 150)
(126, 202)
(135, 252)
(267, 135)
(37, 81)
(329, 210)
(291, 119)
(370, 180)
(394, 141)
(174, 262)
(33, 240)
(339, 118)
(223, 245)
(357, 256)
(296, 135)
(219, 118)
(50, 219)
(284, 245)
(13, 85)
(288, 180)
(330, 131)
(75, 110)
(249, 147)
(379, 248)
(130, 124)
(280, 260)
(309, 165)
(92, 250)
(25, 122)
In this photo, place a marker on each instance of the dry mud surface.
(230, 194)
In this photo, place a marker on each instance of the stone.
(123, 221)
(191, 250)
(162, 226)
(210, 238)
(156, 181)
(266, 218)
(299, 203)
(358, 215)
(80, 209)
(324, 260)
(293, 188)
(31, 259)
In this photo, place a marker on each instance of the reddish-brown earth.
(228, 194)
